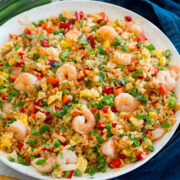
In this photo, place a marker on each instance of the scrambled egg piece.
(81, 164)
(153, 115)
(162, 61)
(93, 93)
(65, 44)
(44, 86)
(57, 96)
(5, 140)
(41, 95)
(12, 61)
(6, 48)
(22, 117)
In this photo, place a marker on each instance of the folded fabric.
(164, 14)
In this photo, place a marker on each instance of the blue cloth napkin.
(166, 15)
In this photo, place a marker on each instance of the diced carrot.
(127, 116)
(150, 133)
(50, 29)
(131, 68)
(107, 52)
(74, 113)
(141, 37)
(53, 80)
(84, 53)
(94, 109)
(27, 31)
(52, 92)
(31, 107)
(13, 78)
(45, 25)
(118, 91)
(66, 98)
(102, 14)
(89, 73)
(162, 89)
(45, 72)
(146, 152)
(133, 48)
(133, 60)
(33, 115)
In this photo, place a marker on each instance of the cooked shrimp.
(18, 129)
(67, 160)
(84, 124)
(124, 102)
(50, 51)
(157, 133)
(107, 33)
(135, 28)
(174, 70)
(47, 166)
(109, 149)
(7, 107)
(73, 35)
(25, 82)
(66, 72)
(164, 77)
(122, 59)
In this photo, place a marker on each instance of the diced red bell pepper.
(101, 133)
(128, 18)
(155, 70)
(57, 108)
(84, 71)
(39, 103)
(80, 79)
(139, 156)
(146, 131)
(91, 39)
(105, 109)
(19, 64)
(113, 109)
(40, 77)
(39, 25)
(21, 54)
(48, 150)
(48, 118)
(64, 25)
(45, 43)
(81, 14)
(116, 163)
(114, 125)
(141, 37)
(108, 91)
(101, 125)
(122, 156)
(70, 175)
(13, 78)
(76, 16)
(19, 146)
(4, 97)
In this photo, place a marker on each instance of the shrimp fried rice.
(82, 94)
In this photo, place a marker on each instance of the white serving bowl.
(156, 36)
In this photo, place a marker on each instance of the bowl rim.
(138, 164)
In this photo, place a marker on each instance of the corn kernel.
(106, 44)
(64, 44)
(162, 61)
